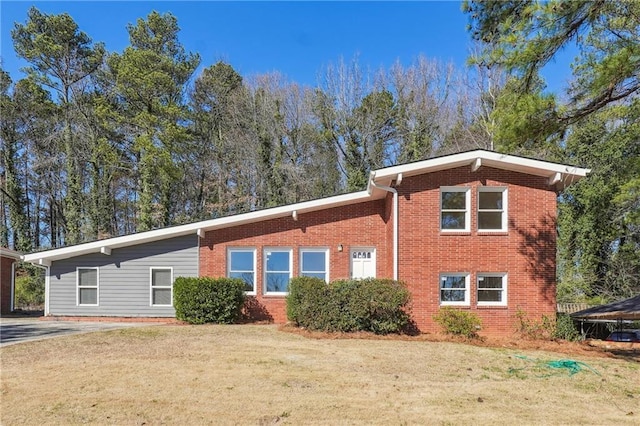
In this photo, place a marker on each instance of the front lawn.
(256, 374)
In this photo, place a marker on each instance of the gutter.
(395, 216)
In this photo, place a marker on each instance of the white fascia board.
(5, 252)
(487, 159)
(199, 227)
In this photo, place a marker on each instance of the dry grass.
(252, 374)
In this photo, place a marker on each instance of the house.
(8, 258)
(474, 230)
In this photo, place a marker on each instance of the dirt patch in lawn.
(259, 375)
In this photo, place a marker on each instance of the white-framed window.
(492, 208)
(277, 270)
(87, 280)
(492, 289)
(314, 262)
(455, 204)
(454, 289)
(241, 263)
(161, 279)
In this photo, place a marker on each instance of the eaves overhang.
(558, 175)
(12, 254)
(105, 246)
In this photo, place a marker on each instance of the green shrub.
(542, 329)
(305, 302)
(458, 322)
(29, 291)
(374, 305)
(566, 329)
(203, 300)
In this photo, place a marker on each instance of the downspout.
(395, 217)
(12, 301)
(47, 289)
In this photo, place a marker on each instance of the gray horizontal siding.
(124, 278)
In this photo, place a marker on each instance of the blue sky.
(297, 39)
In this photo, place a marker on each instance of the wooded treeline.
(98, 144)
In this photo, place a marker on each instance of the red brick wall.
(5, 284)
(526, 252)
(356, 225)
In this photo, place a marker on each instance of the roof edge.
(105, 246)
(480, 157)
(7, 252)
(559, 175)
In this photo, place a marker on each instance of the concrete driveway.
(18, 330)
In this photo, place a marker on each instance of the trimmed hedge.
(375, 305)
(203, 300)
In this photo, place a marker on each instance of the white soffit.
(478, 158)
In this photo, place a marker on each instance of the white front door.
(363, 263)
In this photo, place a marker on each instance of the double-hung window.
(492, 289)
(454, 289)
(454, 209)
(161, 286)
(277, 270)
(242, 264)
(314, 263)
(492, 209)
(87, 284)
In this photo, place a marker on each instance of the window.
(277, 270)
(87, 282)
(161, 286)
(454, 289)
(454, 208)
(492, 207)
(313, 263)
(242, 264)
(492, 289)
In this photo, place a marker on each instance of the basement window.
(454, 289)
(492, 289)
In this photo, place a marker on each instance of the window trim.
(467, 292)
(78, 286)
(504, 211)
(255, 266)
(467, 211)
(502, 275)
(324, 250)
(152, 287)
(265, 272)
